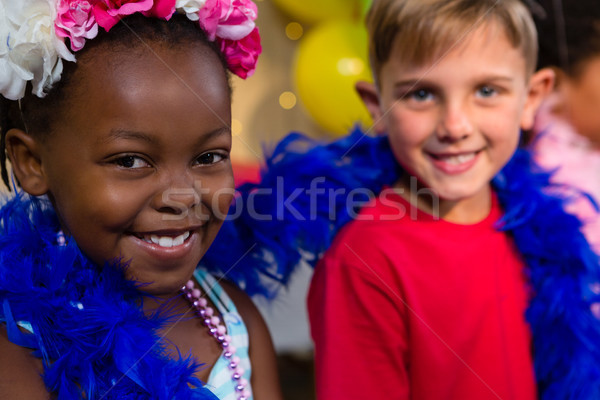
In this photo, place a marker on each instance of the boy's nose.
(455, 123)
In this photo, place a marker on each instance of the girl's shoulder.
(265, 380)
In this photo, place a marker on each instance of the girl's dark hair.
(569, 32)
(38, 115)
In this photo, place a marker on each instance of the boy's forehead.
(482, 50)
(483, 37)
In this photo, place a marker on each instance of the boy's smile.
(138, 167)
(456, 122)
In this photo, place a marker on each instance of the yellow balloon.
(312, 11)
(330, 59)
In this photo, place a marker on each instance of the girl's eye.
(210, 157)
(131, 162)
(486, 91)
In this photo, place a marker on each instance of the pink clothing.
(577, 163)
(417, 308)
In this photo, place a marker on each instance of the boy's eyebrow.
(424, 82)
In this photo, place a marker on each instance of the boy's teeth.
(167, 241)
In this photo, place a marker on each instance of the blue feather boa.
(564, 272)
(98, 341)
(87, 322)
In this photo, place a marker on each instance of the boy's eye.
(420, 95)
(486, 91)
(131, 162)
(210, 157)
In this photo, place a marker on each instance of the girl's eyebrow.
(116, 134)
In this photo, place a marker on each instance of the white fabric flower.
(190, 8)
(29, 47)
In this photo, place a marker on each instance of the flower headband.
(33, 32)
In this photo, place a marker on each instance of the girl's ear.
(541, 85)
(23, 152)
(369, 95)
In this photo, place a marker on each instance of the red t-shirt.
(405, 306)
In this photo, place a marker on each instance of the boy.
(433, 307)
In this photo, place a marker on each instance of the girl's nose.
(455, 123)
(178, 197)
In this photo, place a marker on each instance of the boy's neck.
(465, 211)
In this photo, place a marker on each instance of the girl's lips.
(165, 248)
(454, 164)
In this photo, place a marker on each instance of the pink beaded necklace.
(219, 332)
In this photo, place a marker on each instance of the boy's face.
(456, 122)
(139, 168)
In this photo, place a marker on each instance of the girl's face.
(138, 169)
(582, 99)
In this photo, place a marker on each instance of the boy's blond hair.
(423, 30)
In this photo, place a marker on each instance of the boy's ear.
(540, 86)
(369, 95)
(23, 152)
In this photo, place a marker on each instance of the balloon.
(330, 59)
(312, 11)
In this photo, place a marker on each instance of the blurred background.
(313, 53)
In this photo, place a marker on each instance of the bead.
(219, 332)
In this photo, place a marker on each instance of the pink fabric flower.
(76, 21)
(242, 55)
(163, 9)
(228, 19)
(239, 20)
(109, 12)
(211, 14)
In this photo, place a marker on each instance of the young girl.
(567, 129)
(122, 166)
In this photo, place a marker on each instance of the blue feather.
(563, 271)
(88, 325)
(277, 223)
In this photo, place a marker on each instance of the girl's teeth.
(461, 159)
(167, 241)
